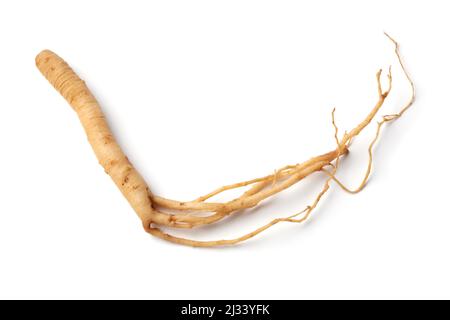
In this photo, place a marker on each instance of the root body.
(155, 211)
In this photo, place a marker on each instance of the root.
(384, 119)
(157, 212)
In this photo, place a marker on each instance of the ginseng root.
(156, 212)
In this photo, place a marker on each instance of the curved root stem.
(156, 212)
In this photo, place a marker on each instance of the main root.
(156, 212)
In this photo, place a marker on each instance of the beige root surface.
(156, 212)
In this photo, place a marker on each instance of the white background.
(206, 93)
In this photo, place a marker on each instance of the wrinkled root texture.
(155, 211)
